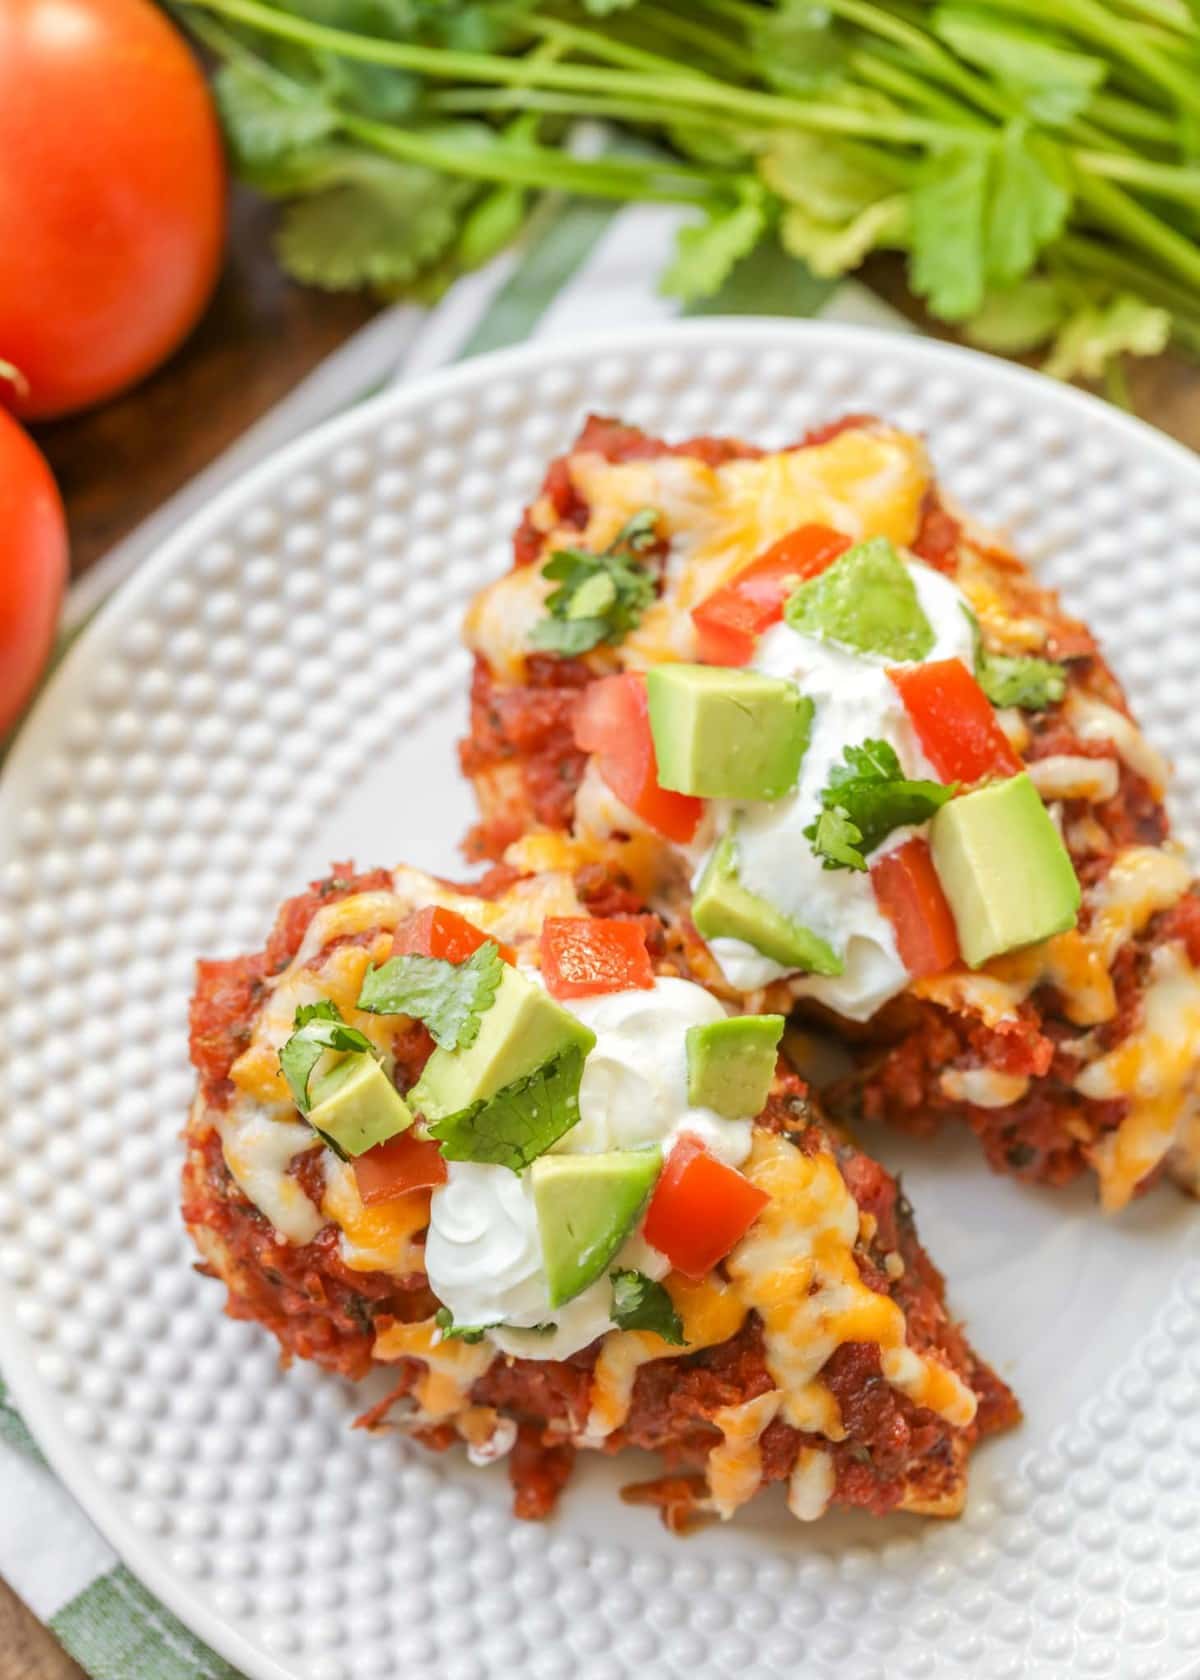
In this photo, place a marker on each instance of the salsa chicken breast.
(871, 774)
(499, 1142)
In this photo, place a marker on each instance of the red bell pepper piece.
(700, 1208)
(583, 955)
(392, 1169)
(613, 723)
(730, 620)
(955, 722)
(910, 895)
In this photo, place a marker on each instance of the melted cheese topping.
(711, 1313)
(810, 1486)
(379, 1238)
(796, 1268)
(1155, 1069)
(259, 1146)
(501, 618)
(1092, 720)
(452, 1367)
(863, 483)
(1067, 776)
(983, 1087)
(734, 1467)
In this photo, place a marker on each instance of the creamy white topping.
(483, 1253)
(855, 701)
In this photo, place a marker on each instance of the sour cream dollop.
(855, 700)
(483, 1253)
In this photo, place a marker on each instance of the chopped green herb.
(864, 800)
(319, 1027)
(1016, 679)
(520, 1122)
(1032, 684)
(601, 597)
(451, 1332)
(448, 997)
(638, 1303)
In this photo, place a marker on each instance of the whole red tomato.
(33, 566)
(112, 196)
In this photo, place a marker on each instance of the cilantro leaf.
(319, 1027)
(865, 799)
(1093, 335)
(520, 1122)
(375, 223)
(265, 117)
(601, 597)
(1014, 319)
(449, 997)
(451, 1332)
(836, 840)
(1026, 210)
(1055, 81)
(706, 252)
(638, 1303)
(1021, 680)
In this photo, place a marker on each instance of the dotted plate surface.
(282, 687)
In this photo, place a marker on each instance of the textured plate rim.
(65, 1456)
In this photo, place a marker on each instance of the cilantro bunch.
(1036, 161)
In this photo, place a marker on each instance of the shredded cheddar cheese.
(810, 1486)
(796, 1268)
(452, 1367)
(735, 1466)
(379, 1238)
(710, 1312)
(1155, 1069)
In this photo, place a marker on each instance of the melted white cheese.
(483, 1254)
(260, 1144)
(855, 701)
(1156, 1069)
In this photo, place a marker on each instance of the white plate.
(281, 687)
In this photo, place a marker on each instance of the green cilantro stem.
(446, 65)
(1166, 180)
(1115, 209)
(537, 166)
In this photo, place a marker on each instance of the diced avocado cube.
(731, 1064)
(586, 1206)
(727, 734)
(723, 908)
(523, 1029)
(1004, 869)
(357, 1105)
(866, 601)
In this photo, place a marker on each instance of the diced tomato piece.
(700, 1208)
(955, 722)
(613, 723)
(391, 1169)
(583, 955)
(435, 932)
(910, 895)
(730, 620)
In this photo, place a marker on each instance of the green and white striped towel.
(582, 267)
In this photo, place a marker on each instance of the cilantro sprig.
(449, 997)
(864, 800)
(519, 1123)
(639, 1303)
(600, 597)
(318, 1027)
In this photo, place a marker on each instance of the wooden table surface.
(260, 336)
